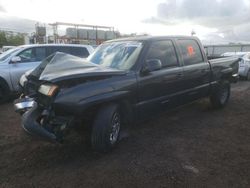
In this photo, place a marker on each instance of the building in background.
(40, 34)
(82, 33)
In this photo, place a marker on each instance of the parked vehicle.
(15, 62)
(6, 48)
(122, 81)
(244, 64)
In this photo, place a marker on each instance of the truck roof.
(152, 38)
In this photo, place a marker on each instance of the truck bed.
(225, 67)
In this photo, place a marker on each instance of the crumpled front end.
(42, 122)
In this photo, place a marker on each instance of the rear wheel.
(221, 94)
(4, 93)
(106, 128)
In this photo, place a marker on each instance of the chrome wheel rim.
(115, 128)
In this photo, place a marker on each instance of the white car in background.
(6, 48)
(244, 64)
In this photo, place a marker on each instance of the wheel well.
(125, 108)
(127, 111)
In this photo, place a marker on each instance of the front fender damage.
(44, 124)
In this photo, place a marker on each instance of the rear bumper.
(37, 121)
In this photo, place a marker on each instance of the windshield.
(118, 55)
(8, 53)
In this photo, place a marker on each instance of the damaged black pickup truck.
(124, 80)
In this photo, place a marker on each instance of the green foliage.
(3, 39)
(11, 40)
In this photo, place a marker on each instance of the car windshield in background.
(7, 54)
(117, 55)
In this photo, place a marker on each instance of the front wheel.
(106, 128)
(220, 95)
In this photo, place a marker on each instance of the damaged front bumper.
(38, 121)
(23, 104)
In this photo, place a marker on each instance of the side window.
(63, 49)
(40, 53)
(190, 52)
(51, 50)
(164, 51)
(54, 49)
(27, 55)
(79, 51)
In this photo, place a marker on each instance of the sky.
(214, 21)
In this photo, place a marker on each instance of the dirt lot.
(193, 146)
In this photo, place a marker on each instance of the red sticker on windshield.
(190, 50)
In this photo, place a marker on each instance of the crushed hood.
(61, 66)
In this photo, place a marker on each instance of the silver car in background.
(6, 48)
(15, 62)
(244, 64)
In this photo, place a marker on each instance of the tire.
(221, 95)
(4, 93)
(106, 128)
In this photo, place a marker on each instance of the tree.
(15, 40)
(3, 39)
(11, 40)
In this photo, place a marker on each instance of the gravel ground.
(193, 146)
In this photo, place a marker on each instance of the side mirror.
(152, 65)
(15, 59)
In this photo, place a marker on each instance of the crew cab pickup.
(122, 81)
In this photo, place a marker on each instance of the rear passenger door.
(196, 70)
(159, 89)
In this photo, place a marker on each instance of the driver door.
(160, 89)
(30, 59)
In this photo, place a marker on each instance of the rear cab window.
(190, 51)
(164, 51)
